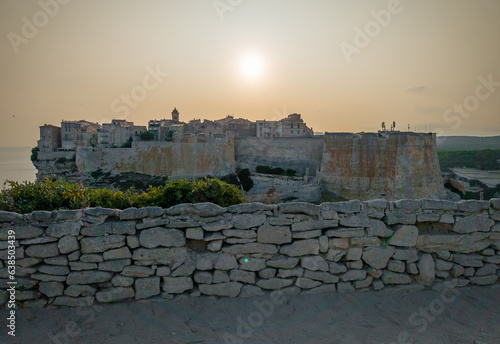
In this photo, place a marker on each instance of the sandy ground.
(464, 315)
(490, 178)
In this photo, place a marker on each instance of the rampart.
(298, 153)
(79, 257)
(370, 166)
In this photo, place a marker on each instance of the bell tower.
(175, 115)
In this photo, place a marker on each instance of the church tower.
(175, 115)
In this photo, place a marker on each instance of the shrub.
(128, 143)
(263, 169)
(51, 194)
(146, 136)
(246, 181)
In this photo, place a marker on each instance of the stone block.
(147, 287)
(274, 234)
(230, 289)
(426, 270)
(378, 257)
(245, 221)
(473, 223)
(88, 277)
(274, 283)
(301, 248)
(68, 244)
(114, 294)
(101, 244)
(177, 285)
(299, 208)
(389, 277)
(60, 229)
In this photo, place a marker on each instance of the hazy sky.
(344, 65)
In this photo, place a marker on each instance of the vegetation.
(486, 159)
(34, 153)
(146, 136)
(52, 194)
(276, 171)
(128, 143)
(244, 177)
(169, 135)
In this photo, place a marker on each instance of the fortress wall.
(297, 153)
(211, 155)
(392, 166)
(79, 257)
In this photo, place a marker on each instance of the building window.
(298, 132)
(233, 126)
(291, 126)
(291, 132)
(298, 125)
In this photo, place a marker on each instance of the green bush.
(34, 153)
(146, 136)
(128, 143)
(51, 194)
(263, 169)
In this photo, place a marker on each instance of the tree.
(146, 136)
(34, 153)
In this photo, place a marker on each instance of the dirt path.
(466, 315)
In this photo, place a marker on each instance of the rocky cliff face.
(391, 166)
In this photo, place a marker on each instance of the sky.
(345, 66)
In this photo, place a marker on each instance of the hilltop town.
(332, 166)
(73, 134)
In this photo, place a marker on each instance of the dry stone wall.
(79, 257)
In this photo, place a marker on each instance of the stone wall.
(75, 258)
(297, 153)
(391, 166)
(193, 157)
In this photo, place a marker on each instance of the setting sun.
(252, 66)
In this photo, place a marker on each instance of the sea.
(16, 165)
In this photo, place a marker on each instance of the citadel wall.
(79, 257)
(362, 166)
(297, 153)
(392, 166)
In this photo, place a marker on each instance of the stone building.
(165, 128)
(50, 138)
(265, 129)
(77, 134)
(293, 126)
(119, 131)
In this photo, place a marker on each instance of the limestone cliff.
(391, 166)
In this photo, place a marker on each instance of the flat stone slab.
(230, 289)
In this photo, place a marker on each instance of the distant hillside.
(454, 143)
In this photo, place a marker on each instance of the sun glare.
(252, 66)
